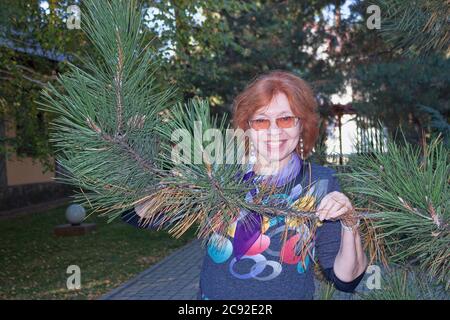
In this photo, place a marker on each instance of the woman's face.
(275, 144)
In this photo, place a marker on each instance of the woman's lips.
(275, 145)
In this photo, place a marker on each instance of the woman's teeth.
(274, 144)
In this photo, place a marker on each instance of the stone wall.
(12, 197)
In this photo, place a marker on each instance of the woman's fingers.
(333, 205)
(340, 212)
(326, 204)
(334, 209)
(342, 206)
(320, 208)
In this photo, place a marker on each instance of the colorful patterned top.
(252, 265)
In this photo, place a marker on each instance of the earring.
(252, 158)
(301, 149)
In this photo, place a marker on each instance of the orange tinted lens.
(260, 124)
(285, 122)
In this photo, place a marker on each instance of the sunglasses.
(282, 123)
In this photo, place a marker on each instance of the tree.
(395, 92)
(417, 28)
(216, 57)
(34, 45)
(388, 86)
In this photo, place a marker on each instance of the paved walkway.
(174, 278)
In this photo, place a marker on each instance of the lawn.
(33, 262)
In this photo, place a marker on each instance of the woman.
(280, 112)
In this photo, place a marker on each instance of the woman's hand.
(336, 205)
(350, 261)
(140, 209)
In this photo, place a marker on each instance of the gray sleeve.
(328, 236)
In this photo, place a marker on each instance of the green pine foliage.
(417, 27)
(408, 189)
(107, 112)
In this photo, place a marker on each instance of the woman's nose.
(273, 131)
(273, 126)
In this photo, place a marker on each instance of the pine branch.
(109, 150)
(120, 141)
(417, 27)
(408, 189)
(118, 87)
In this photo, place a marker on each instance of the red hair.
(260, 92)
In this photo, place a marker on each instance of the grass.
(33, 262)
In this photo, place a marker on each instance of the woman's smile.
(275, 145)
